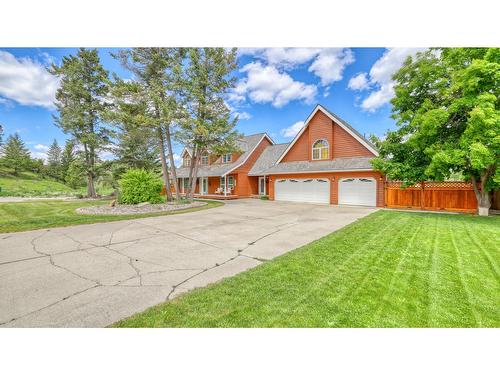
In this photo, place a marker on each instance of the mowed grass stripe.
(390, 269)
(363, 259)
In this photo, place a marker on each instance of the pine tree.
(207, 124)
(135, 148)
(155, 95)
(15, 154)
(81, 102)
(67, 157)
(1, 138)
(54, 155)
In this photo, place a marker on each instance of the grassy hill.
(28, 184)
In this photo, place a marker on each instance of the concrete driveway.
(93, 275)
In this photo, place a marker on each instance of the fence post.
(422, 205)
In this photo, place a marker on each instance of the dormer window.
(226, 158)
(204, 159)
(187, 161)
(320, 150)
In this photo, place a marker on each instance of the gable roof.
(247, 145)
(267, 159)
(344, 125)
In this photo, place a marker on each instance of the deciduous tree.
(447, 107)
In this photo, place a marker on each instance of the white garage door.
(311, 190)
(358, 191)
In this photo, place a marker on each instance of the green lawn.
(16, 217)
(28, 184)
(390, 269)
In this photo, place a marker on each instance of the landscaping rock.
(141, 208)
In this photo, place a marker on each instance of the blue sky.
(276, 89)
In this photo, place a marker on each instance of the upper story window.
(226, 158)
(204, 159)
(187, 161)
(320, 150)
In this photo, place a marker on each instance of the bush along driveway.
(390, 269)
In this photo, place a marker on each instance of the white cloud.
(266, 84)
(41, 147)
(26, 81)
(381, 76)
(106, 155)
(38, 155)
(292, 130)
(282, 57)
(359, 82)
(330, 64)
(243, 115)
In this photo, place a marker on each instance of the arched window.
(320, 150)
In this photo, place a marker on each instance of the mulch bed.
(128, 209)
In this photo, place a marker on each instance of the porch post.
(225, 185)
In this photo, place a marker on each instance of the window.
(230, 182)
(187, 162)
(204, 159)
(226, 158)
(185, 184)
(320, 150)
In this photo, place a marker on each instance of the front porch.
(221, 197)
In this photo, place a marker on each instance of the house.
(327, 162)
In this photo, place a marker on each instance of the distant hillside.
(30, 185)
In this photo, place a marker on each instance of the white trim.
(185, 150)
(327, 147)
(250, 153)
(260, 179)
(201, 179)
(337, 121)
(328, 171)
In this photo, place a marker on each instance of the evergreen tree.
(81, 101)
(67, 157)
(155, 95)
(207, 124)
(1, 138)
(15, 154)
(54, 155)
(135, 149)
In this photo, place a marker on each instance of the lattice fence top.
(451, 185)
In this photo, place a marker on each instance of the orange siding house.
(327, 162)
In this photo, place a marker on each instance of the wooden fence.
(434, 196)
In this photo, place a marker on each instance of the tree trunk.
(195, 175)
(191, 170)
(89, 161)
(482, 196)
(90, 185)
(172, 163)
(164, 168)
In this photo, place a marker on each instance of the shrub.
(264, 198)
(138, 185)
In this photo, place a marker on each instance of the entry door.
(204, 185)
(262, 186)
(358, 191)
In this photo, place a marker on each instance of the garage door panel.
(312, 190)
(358, 191)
